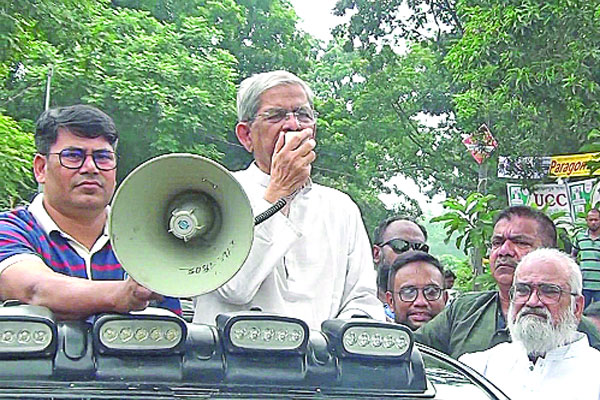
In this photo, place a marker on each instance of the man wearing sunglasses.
(311, 260)
(56, 252)
(392, 237)
(416, 288)
(548, 357)
(477, 321)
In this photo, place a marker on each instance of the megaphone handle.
(265, 215)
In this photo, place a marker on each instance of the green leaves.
(166, 85)
(470, 219)
(16, 155)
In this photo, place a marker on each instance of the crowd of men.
(313, 259)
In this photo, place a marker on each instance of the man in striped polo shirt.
(586, 248)
(56, 252)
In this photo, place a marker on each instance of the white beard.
(538, 335)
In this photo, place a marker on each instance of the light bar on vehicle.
(27, 330)
(153, 330)
(365, 338)
(375, 341)
(262, 332)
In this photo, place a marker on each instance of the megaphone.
(181, 225)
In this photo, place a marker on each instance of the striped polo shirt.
(31, 233)
(588, 256)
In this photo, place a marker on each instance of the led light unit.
(375, 341)
(262, 332)
(152, 330)
(364, 338)
(27, 330)
(265, 334)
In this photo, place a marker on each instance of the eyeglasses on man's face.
(400, 246)
(74, 158)
(303, 114)
(410, 293)
(548, 293)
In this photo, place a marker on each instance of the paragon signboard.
(571, 165)
(565, 166)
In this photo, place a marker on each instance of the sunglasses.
(400, 246)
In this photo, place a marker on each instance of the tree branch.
(22, 92)
(454, 16)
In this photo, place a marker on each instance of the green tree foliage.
(530, 68)
(261, 35)
(166, 88)
(167, 71)
(436, 237)
(394, 21)
(466, 280)
(352, 152)
(471, 222)
(16, 155)
(526, 68)
(471, 219)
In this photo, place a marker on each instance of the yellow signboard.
(571, 165)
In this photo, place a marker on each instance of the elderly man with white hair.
(312, 259)
(548, 358)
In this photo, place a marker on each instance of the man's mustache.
(507, 261)
(537, 311)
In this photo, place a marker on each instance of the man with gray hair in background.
(312, 259)
(548, 358)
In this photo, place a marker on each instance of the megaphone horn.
(181, 225)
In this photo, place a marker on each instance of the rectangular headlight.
(27, 330)
(372, 339)
(250, 331)
(153, 330)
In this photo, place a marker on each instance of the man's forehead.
(546, 270)
(69, 138)
(403, 229)
(516, 226)
(282, 95)
(418, 270)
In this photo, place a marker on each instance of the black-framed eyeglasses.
(400, 246)
(74, 158)
(305, 115)
(548, 293)
(430, 292)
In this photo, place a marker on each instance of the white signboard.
(553, 195)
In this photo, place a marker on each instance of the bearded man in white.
(548, 358)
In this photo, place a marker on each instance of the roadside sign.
(481, 144)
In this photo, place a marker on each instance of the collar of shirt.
(561, 352)
(500, 320)
(593, 238)
(567, 350)
(36, 208)
(501, 333)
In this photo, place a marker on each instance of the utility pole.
(481, 144)
(47, 104)
(476, 256)
(48, 86)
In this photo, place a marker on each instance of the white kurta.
(568, 372)
(315, 264)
